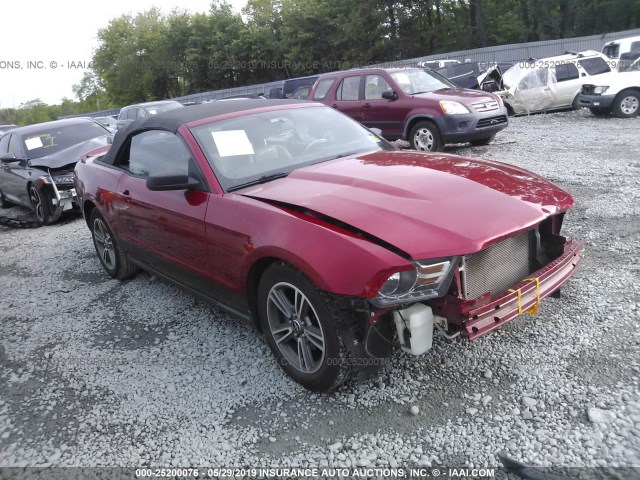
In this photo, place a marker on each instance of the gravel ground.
(94, 372)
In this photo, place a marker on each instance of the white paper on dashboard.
(34, 142)
(232, 142)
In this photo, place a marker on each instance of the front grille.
(485, 106)
(491, 121)
(497, 268)
(588, 89)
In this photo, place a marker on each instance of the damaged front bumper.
(523, 297)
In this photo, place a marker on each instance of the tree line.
(151, 55)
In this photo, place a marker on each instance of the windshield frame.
(369, 142)
(101, 131)
(419, 71)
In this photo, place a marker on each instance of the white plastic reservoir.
(418, 319)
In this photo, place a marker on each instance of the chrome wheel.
(424, 139)
(629, 105)
(36, 202)
(295, 327)
(104, 244)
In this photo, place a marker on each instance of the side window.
(348, 89)
(4, 144)
(635, 47)
(595, 65)
(140, 113)
(374, 85)
(14, 146)
(322, 88)
(566, 71)
(124, 114)
(156, 151)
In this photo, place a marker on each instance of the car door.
(567, 83)
(534, 92)
(378, 112)
(164, 229)
(347, 97)
(16, 174)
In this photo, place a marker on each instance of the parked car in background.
(478, 75)
(413, 104)
(110, 122)
(6, 128)
(142, 110)
(616, 48)
(37, 164)
(437, 64)
(324, 234)
(294, 88)
(552, 83)
(615, 92)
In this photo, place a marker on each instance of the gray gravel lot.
(94, 372)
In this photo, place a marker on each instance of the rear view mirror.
(164, 181)
(390, 94)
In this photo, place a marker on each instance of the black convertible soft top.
(174, 119)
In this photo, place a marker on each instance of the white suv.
(615, 92)
(552, 83)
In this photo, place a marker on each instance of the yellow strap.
(519, 299)
(533, 310)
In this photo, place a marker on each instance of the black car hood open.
(70, 156)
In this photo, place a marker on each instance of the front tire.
(425, 137)
(483, 141)
(113, 259)
(301, 328)
(626, 104)
(42, 206)
(600, 112)
(4, 203)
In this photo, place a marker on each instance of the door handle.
(366, 105)
(125, 193)
(335, 105)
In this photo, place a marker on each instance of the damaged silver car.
(550, 84)
(36, 164)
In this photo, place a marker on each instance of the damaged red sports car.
(334, 242)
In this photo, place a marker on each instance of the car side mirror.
(164, 181)
(9, 158)
(390, 94)
(375, 130)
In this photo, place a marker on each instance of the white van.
(616, 48)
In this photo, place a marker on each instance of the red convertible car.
(338, 245)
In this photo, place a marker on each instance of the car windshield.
(255, 147)
(162, 107)
(415, 81)
(51, 140)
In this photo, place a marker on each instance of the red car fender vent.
(330, 223)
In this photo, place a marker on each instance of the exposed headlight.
(600, 90)
(64, 179)
(428, 279)
(453, 108)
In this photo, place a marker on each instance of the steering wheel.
(315, 143)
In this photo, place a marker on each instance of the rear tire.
(425, 137)
(113, 259)
(483, 141)
(301, 328)
(626, 104)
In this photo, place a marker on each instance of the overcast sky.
(52, 34)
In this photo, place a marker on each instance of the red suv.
(413, 104)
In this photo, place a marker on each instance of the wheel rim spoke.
(104, 246)
(282, 302)
(295, 328)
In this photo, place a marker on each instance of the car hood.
(427, 205)
(70, 156)
(464, 96)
